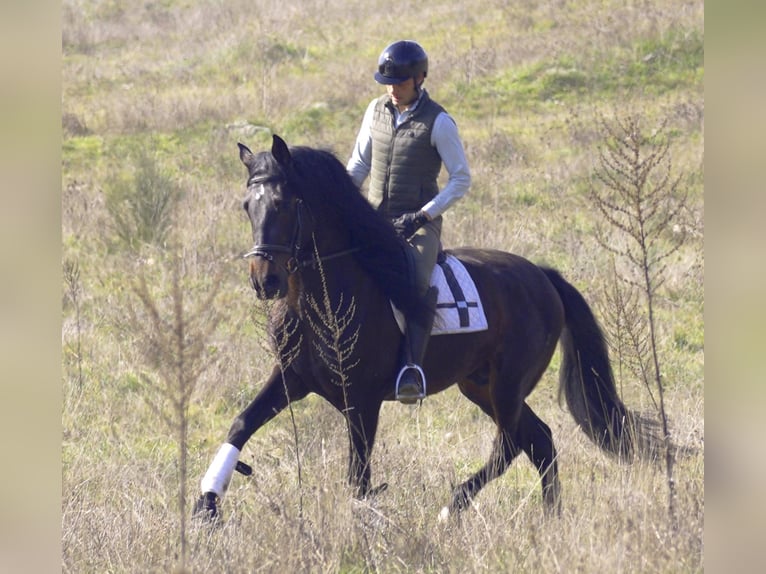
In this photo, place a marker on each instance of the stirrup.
(412, 391)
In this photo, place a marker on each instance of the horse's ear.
(246, 155)
(280, 152)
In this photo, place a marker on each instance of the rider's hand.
(408, 223)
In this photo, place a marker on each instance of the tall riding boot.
(411, 382)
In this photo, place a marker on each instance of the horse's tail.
(587, 382)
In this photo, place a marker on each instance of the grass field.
(155, 97)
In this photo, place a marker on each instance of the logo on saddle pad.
(458, 308)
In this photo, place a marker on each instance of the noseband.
(294, 263)
(267, 250)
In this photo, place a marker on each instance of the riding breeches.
(425, 248)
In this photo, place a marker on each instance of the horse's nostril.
(271, 283)
(268, 287)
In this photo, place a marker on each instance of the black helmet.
(401, 61)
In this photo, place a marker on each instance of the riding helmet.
(401, 61)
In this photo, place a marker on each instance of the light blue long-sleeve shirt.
(446, 140)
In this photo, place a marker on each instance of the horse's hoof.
(370, 493)
(377, 490)
(206, 508)
(456, 508)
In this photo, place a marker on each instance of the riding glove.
(408, 223)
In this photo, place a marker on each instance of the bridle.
(295, 262)
(267, 250)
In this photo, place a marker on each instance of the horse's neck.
(340, 283)
(341, 275)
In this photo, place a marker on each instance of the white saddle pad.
(458, 307)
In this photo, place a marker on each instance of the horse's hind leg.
(534, 437)
(519, 428)
(504, 450)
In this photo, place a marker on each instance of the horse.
(320, 246)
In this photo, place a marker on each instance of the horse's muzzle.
(270, 289)
(267, 285)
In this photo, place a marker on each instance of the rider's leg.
(411, 383)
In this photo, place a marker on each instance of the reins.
(295, 262)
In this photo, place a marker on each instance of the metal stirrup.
(406, 367)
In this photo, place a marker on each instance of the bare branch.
(638, 198)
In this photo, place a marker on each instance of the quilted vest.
(405, 166)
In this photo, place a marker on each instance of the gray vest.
(405, 166)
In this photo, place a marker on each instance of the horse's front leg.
(363, 425)
(276, 394)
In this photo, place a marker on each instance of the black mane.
(332, 196)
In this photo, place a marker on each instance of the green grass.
(80, 152)
(655, 66)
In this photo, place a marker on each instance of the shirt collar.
(401, 116)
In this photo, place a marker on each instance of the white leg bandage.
(219, 472)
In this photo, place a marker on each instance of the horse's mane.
(331, 196)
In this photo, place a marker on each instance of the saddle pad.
(458, 307)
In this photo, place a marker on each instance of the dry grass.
(614, 518)
(526, 82)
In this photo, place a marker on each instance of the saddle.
(458, 307)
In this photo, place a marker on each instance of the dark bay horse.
(317, 239)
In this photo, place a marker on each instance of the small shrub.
(142, 205)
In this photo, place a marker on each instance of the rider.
(404, 139)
